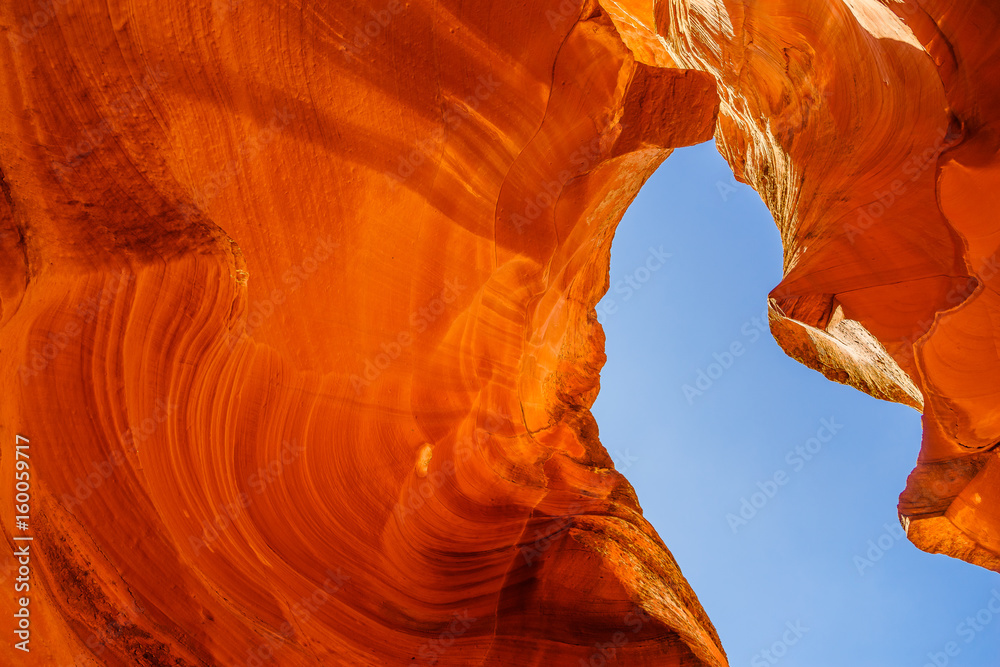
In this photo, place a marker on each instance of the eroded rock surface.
(297, 306)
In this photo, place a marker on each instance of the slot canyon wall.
(297, 328)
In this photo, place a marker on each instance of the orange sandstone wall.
(297, 307)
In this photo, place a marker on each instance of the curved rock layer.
(297, 306)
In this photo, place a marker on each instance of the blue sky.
(819, 575)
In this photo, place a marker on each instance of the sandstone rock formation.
(297, 306)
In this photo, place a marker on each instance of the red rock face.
(297, 307)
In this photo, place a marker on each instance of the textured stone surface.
(297, 305)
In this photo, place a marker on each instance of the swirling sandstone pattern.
(297, 305)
